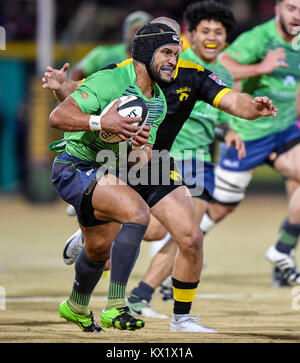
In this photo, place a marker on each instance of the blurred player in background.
(265, 62)
(103, 55)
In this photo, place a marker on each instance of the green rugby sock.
(288, 237)
(87, 275)
(123, 255)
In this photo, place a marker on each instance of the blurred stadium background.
(43, 32)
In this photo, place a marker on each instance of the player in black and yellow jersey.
(197, 83)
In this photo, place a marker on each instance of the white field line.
(45, 299)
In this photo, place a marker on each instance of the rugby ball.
(130, 106)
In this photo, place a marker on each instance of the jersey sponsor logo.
(217, 79)
(88, 173)
(183, 93)
(85, 95)
(231, 163)
(289, 81)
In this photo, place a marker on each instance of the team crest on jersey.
(217, 79)
(174, 175)
(183, 93)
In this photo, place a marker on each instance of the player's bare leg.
(184, 228)
(162, 263)
(290, 186)
(288, 163)
(155, 231)
(281, 255)
(88, 270)
(111, 200)
(161, 267)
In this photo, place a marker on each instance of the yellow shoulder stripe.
(219, 96)
(125, 62)
(182, 63)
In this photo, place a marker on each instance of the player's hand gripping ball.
(130, 106)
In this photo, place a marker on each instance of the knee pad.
(230, 186)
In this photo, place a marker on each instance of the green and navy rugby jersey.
(155, 109)
(95, 93)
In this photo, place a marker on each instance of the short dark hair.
(209, 10)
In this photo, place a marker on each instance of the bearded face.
(288, 15)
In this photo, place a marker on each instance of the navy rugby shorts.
(75, 181)
(199, 177)
(258, 150)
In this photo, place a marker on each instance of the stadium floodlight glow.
(45, 34)
(2, 38)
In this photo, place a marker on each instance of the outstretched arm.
(56, 80)
(274, 58)
(244, 106)
(69, 117)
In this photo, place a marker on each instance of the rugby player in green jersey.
(103, 55)
(108, 209)
(202, 84)
(266, 62)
